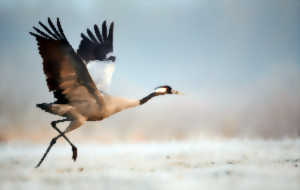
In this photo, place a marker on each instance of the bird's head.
(161, 90)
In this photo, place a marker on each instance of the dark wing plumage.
(67, 76)
(96, 47)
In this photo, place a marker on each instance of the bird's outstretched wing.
(95, 49)
(67, 75)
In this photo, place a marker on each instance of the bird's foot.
(74, 156)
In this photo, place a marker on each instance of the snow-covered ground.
(204, 164)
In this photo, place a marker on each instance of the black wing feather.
(104, 30)
(60, 29)
(98, 34)
(41, 33)
(54, 29)
(91, 35)
(49, 31)
(92, 49)
(111, 31)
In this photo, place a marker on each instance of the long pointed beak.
(177, 92)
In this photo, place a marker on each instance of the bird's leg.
(53, 141)
(74, 149)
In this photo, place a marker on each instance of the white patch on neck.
(101, 73)
(161, 90)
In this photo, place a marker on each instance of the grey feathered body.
(92, 111)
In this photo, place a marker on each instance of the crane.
(68, 76)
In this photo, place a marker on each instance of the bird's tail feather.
(44, 106)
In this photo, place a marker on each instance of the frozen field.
(216, 164)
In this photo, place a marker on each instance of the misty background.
(238, 63)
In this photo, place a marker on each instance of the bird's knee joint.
(53, 123)
(53, 141)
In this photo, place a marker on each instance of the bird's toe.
(74, 156)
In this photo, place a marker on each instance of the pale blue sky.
(188, 44)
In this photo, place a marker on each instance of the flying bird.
(76, 78)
